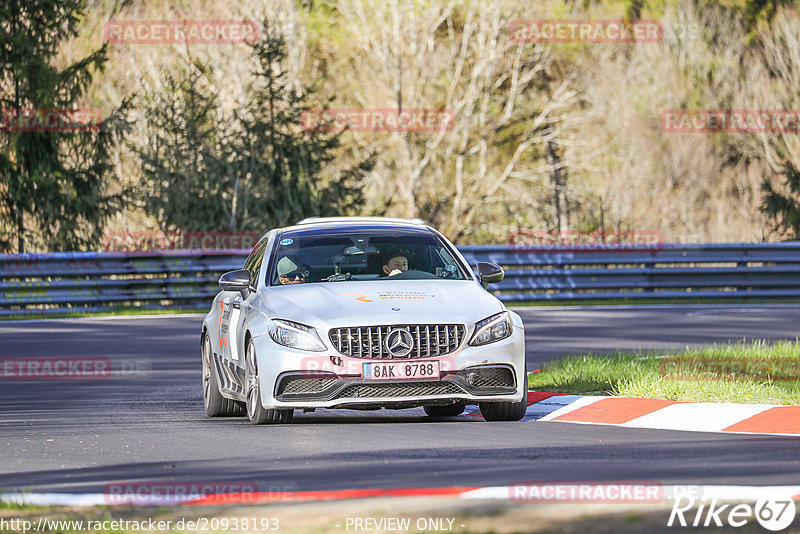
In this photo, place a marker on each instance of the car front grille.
(488, 377)
(299, 385)
(405, 389)
(370, 341)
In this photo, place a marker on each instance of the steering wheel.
(412, 274)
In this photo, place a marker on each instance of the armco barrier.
(650, 272)
(90, 281)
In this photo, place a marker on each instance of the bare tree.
(461, 57)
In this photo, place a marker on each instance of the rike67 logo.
(773, 513)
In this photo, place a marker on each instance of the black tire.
(446, 411)
(215, 404)
(507, 411)
(256, 413)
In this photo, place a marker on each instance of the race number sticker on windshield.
(401, 370)
(287, 241)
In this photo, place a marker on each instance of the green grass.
(705, 375)
(19, 507)
(106, 313)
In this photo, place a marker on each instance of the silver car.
(361, 313)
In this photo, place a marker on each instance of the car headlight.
(295, 335)
(492, 329)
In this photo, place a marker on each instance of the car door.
(234, 312)
(241, 309)
(225, 303)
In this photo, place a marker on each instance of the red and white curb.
(522, 493)
(663, 414)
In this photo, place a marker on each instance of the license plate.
(401, 370)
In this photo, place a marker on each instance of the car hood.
(336, 304)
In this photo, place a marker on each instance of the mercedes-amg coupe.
(361, 313)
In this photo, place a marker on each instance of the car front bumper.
(298, 379)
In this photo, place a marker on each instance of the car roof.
(362, 220)
(352, 223)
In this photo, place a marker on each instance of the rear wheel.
(507, 411)
(256, 413)
(216, 405)
(446, 411)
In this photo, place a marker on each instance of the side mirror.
(236, 281)
(490, 273)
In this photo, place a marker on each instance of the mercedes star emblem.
(399, 342)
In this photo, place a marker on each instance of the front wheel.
(256, 413)
(507, 411)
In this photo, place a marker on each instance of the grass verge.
(111, 312)
(752, 373)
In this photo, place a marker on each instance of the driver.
(395, 261)
(290, 272)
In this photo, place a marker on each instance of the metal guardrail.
(653, 272)
(91, 281)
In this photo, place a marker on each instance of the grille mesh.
(491, 377)
(304, 386)
(406, 389)
(369, 341)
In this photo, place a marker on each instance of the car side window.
(254, 260)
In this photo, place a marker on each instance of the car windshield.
(325, 255)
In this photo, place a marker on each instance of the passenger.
(290, 272)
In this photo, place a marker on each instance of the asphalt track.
(146, 421)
